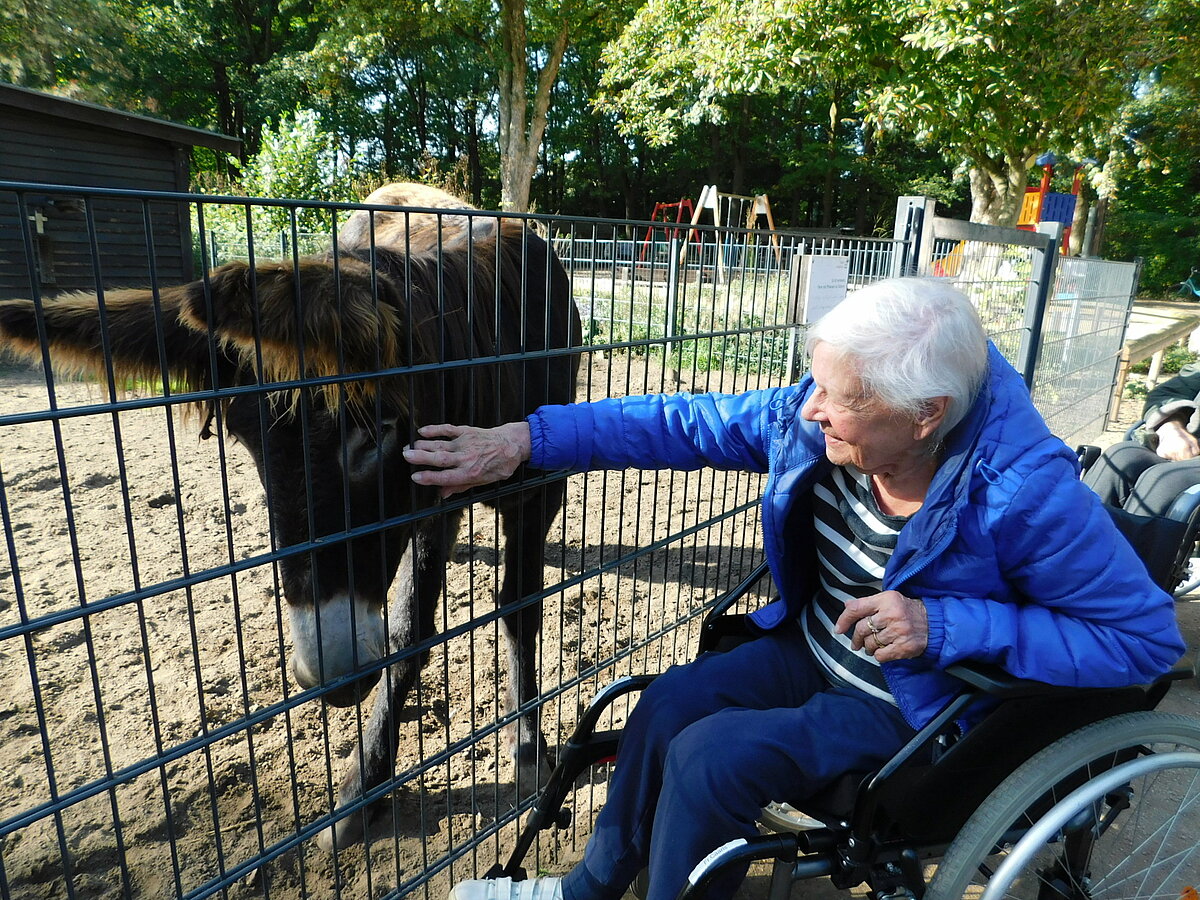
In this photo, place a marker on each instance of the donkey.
(370, 321)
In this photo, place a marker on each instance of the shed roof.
(101, 116)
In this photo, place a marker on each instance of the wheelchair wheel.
(1157, 855)
(1162, 814)
(1190, 575)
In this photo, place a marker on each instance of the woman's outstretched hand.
(460, 457)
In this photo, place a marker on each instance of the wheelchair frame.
(937, 798)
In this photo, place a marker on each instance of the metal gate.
(1060, 321)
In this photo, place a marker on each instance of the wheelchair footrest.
(783, 817)
(737, 852)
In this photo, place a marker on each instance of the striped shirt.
(854, 541)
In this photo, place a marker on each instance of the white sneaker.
(545, 888)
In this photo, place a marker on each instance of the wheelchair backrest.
(1157, 540)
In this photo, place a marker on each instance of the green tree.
(524, 42)
(297, 159)
(69, 46)
(1154, 182)
(993, 83)
(207, 62)
(402, 90)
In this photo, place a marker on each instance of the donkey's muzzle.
(334, 639)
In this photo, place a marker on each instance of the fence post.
(795, 315)
(1045, 262)
(914, 218)
(1121, 366)
(670, 329)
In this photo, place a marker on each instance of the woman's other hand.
(459, 457)
(889, 625)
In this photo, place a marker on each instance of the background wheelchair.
(1189, 575)
(963, 803)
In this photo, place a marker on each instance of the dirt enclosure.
(149, 745)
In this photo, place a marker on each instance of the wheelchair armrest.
(991, 679)
(737, 592)
(721, 629)
(1087, 454)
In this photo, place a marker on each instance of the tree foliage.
(830, 107)
(992, 83)
(74, 46)
(1155, 178)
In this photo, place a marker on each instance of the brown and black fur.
(403, 289)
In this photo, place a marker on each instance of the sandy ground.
(148, 746)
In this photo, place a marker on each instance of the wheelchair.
(969, 803)
(1189, 574)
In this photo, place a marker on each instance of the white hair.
(910, 340)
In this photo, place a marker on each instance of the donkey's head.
(325, 429)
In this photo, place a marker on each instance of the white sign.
(823, 284)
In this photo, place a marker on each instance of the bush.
(297, 161)
(1174, 359)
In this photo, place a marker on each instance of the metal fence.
(155, 741)
(1061, 322)
(1083, 331)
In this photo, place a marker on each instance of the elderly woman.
(917, 512)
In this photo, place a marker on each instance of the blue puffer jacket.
(1015, 559)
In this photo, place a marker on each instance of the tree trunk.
(714, 154)
(831, 154)
(1079, 223)
(997, 192)
(739, 152)
(225, 106)
(419, 89)
(388, 119)
(520, 133)
(474, 157)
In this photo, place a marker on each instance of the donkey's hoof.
(345, 832)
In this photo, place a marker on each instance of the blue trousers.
(708, 745)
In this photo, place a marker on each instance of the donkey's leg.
(412, 607)
(526, 525)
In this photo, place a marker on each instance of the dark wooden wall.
(54, 150)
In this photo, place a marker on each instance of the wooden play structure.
(752, 212)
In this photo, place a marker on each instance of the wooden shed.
(52, 241)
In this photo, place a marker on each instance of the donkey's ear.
(135, 335)
(337, 318)
(312, 318)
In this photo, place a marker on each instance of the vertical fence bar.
(1038, 296)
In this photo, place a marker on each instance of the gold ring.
(871, 625)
